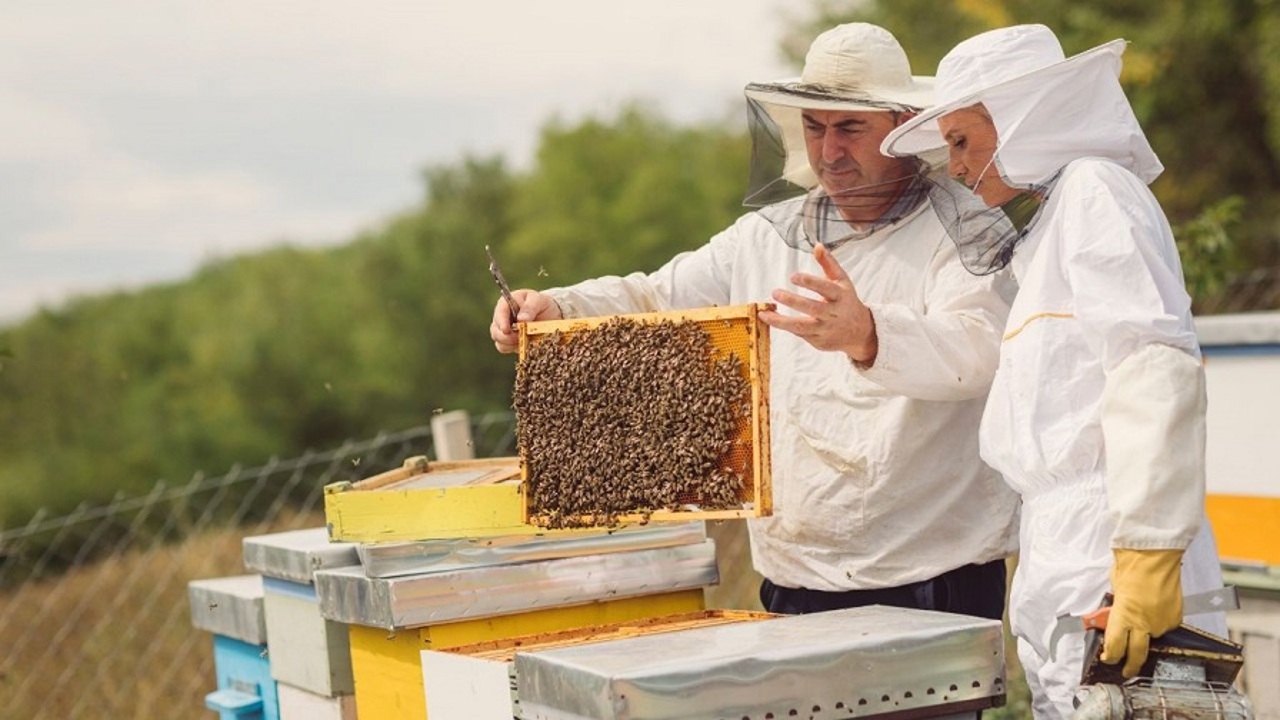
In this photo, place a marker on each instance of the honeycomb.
(634, 415)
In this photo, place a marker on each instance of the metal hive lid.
(295, 555)
(388, 560)
(347, 595)
(230, 606)
(861, 662)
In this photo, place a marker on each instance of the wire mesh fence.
(1255, 290)
(94, 616)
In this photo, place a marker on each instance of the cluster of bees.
(628, 418)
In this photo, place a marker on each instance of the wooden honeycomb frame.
(735, 330)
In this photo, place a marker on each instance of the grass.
(114, 639)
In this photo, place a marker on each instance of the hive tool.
(496, 272)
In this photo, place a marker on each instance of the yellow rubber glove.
(1147, 585)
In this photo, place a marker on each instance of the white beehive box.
(475, 681)
(298, 704)
(879, 662)
(307, 651)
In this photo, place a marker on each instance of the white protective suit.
(876, 476)
(1096, 414)
(1101, 317)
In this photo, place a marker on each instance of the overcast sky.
(140, 138)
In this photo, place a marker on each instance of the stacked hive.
(561, 538)
(871, 662)
(408, 597)
(275, 656)
(231, 609)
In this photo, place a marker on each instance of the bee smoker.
(1188, 675)
(1151, 698)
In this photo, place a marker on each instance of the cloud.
(140, 137)
(33, 129)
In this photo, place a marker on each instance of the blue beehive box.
(231, 609)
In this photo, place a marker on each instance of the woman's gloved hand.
(1147, 590)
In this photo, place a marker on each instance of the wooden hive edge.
(728, 312)
(760, 374)
(501, 468)
(505, 648)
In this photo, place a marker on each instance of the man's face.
(971, 145)
(844, 152)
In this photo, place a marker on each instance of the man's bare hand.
(533, 306)
(835, 320)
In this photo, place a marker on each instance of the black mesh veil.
(767, 180)
(984, 236)
(779, 161)
(814, 218)
(787, 193)
(786, 190)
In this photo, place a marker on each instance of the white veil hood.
(1047, 110)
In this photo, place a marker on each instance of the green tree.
(1204, 80)
(275, 352)
(622, 196)
(437, 288)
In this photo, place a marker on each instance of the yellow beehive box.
(487, 498)
(430, 500)
(732, 333)
(387, 669)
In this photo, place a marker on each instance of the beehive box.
(424, 500)
(652, 416)
(391, 560)
(348, 596)
(299, 704)
(306, 650)
(475, 682)
(387, 663)
(232, 609)
(868, 662)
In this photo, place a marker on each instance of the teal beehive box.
(231, 608)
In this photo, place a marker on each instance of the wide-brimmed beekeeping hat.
(851, 67)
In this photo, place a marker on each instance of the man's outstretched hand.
(836, 320)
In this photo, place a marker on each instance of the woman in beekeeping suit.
(1096, 415)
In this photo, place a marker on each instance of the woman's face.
(971, 142)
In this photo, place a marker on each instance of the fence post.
(451, 435)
